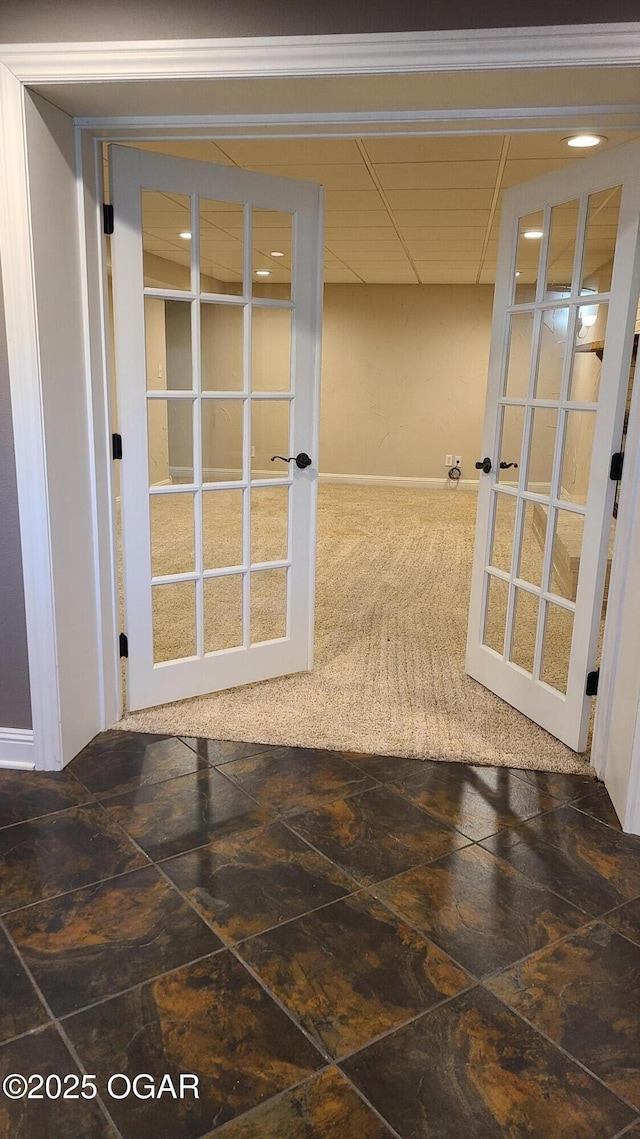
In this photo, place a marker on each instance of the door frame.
(32, 65)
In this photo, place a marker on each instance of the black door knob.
(484, 465)
(302, 460)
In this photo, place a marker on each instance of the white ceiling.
(398, 210)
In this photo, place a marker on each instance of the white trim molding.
(23, 348)
(573, 45)
(17, 749)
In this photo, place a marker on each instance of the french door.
(563, 324)
(217, 293)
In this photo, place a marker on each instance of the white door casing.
(534, 625)
(203, 186)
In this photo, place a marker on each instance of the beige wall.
(403, 381)
(403, 378)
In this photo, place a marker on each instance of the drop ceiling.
(410, 210)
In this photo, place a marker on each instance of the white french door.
(563, 324)
(217, 292)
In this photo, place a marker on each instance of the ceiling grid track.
(378, 185)
(502, 162)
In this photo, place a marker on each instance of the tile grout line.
(564, 1052)
(367, 1103)
(550, 846)
(228, 1123)
(55, 1022)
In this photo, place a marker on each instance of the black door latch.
(302, 460)
(484, 465)
(505, 466)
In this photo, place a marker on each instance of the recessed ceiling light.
(532, 234)
(262, 273)
(583, 141)
(274, 253)
(186, 235)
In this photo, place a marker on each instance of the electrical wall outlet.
(448, 460)
(253, 452)
(457, 460)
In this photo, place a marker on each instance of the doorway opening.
(411, 247)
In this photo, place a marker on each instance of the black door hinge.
(107, 218)
(116, 446)
(615, 470)
(124, 645)
(592, 682)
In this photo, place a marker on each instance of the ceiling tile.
(291, 151)
(339, 274)
(374, 253)
(354, 200)
(379, 274)
(332, 236)
(448, 257)
(450, 275)
(433, 219)
(338, 219)
(440, 199)
(449, 149)
(437, 175)
(428, 234)
(524, 169)
(338, 177)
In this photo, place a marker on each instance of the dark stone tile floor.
(339, 946)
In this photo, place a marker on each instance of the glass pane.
(510, 444)
(600, 240)
(562, 247)
(589, 350)
(544, 427)
(269, 523)
(166, 254)
(167, 328)
(222, 439)
(553, 344)
(496, 613)
(566, 552)
(269, 436)
(221, 247)
(525, 624)
(221, 347)
(222, 612)
(503, 526)
(519, 359)
(272, 254)
(556, 650)
(534, 532)
(172, 534)
(221, 529)
(170, 440)
(271, 349)
(528, 257)
(268, 605)
(174, 620)
(576, 457)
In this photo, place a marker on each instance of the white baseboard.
(399, 480)
(17, 749)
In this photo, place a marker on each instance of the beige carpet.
(391, 615)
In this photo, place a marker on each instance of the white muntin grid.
(197, 398)
(564, 407)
